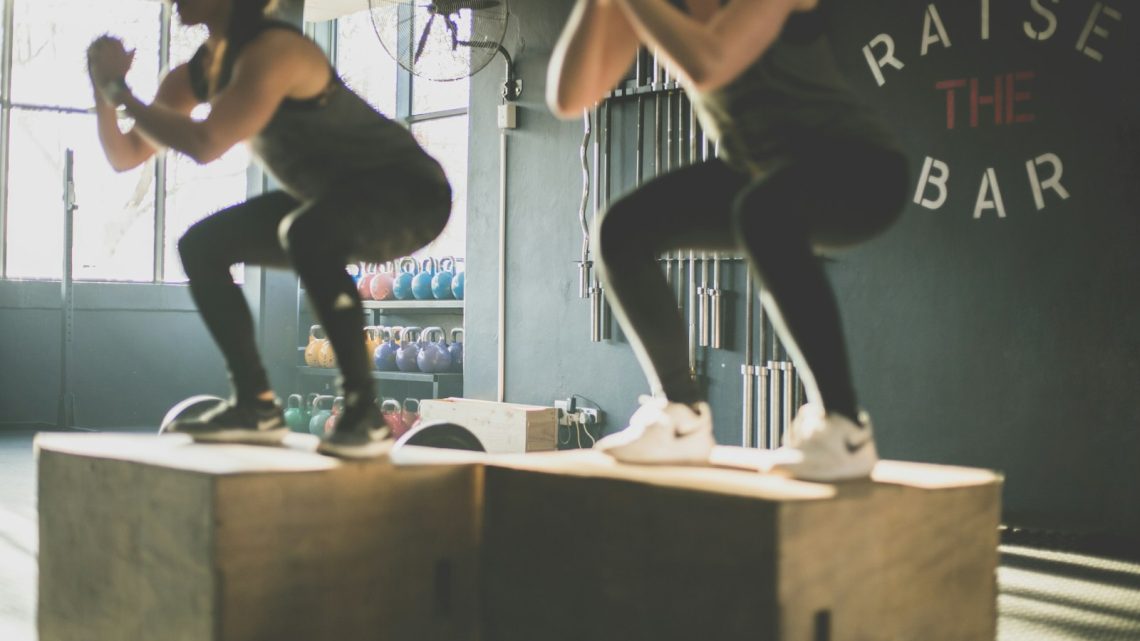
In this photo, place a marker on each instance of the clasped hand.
(108, 60)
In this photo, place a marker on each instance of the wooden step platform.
(154, 538)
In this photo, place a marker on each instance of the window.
(128, 224)
(114, 226)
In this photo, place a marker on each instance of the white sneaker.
(828, 447)
(663, 433)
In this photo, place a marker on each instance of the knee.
(195, 250)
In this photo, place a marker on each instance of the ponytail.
(245, 17)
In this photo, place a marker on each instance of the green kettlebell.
(322, 410)
(294, 416)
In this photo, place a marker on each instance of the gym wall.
(994, 327)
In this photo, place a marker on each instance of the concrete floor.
(1044, 595)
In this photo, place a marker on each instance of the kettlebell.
(364, 285)
(337, 410)
(456, 349)
(384, 356)
(411, 413)
(433, 357)
(372, 340)
(307, 411)
(458, 284)
(316, 340)
(441, 282)
(421, 282)
(326, 357)
(393, 416)
(382, 283)
(402, 285)
(322, 410)
(294, 417)
(408, 351)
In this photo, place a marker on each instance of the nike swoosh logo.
(265, 424)
(679, 433)
(855, 447)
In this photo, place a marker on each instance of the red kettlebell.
(337, 408)
(393, 416)
(364, 286)
(382, 283)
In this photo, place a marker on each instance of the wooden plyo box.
(147, 538)
(504, 428)
(577, 547)
(155, 539)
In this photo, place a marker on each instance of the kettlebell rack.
(771, 388)
(447, 313)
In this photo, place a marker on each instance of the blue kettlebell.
(402, 285)
(385, 355)
(421, 282)
(434, 358)
(456, 349)
(458, 281)
(441, 282)
(408, 351)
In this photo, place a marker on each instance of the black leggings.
(834, 196)
(378, 219)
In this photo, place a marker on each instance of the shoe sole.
(241, 437)
(368, 451)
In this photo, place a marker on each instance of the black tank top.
(790, 100)
(312, 145)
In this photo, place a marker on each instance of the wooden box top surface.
(736, 471)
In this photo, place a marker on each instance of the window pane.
(195, 191)
(446, 141)
(50, 47)
(114, 225)
(430, 95)
(363, 63)
(184, 41)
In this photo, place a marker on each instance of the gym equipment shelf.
(414, 305)
(442, 385)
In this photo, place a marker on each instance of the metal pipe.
(502, 321)
(748, 372)
(603, 309)
(774, 380)
(764, 375)
(65, 416)
(789, 384)
(715, 302)
(657, 161)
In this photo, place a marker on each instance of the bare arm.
(127, 150)
(707, 56)
(268, 70)
(595, 50)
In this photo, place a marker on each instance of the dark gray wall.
(137, 350)
(1006, 343)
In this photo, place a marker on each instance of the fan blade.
(423, 39)
(454, 30)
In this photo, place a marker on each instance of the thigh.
(687, 208)
(246, 232)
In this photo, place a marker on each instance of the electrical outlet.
(585, 415)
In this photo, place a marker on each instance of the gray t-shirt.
(326, 141)
(791, 101)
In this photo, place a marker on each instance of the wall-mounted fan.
(441, 40)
